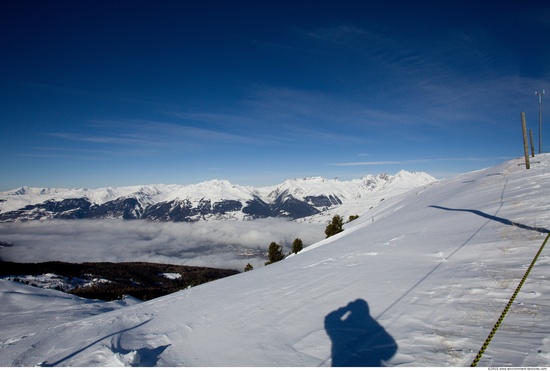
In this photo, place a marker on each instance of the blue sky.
(112, 93)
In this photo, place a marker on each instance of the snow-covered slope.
(418, 280)
(363, 194)
(27, 307)
(212, 200)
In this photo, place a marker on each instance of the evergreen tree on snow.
(297, 246)
(335, 227)
(274, 253)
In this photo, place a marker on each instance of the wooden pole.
(531, 141)
(525, 145)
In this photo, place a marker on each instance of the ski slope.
(418, 280)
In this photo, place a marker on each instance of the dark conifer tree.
(335, 227)
(274, 253)
(297, 246)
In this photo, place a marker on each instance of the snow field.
(435, 268)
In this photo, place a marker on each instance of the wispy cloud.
(446, 81)
(275, 114)
(404, 162)
(114, 139)
(73, 153)
(315, 110)
(367, 163)
(138, 137)
(245, 126)
(347, 37)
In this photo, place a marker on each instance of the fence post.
(531, 141)
(525, 145)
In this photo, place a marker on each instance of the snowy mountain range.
(418, 280)
(211, 200)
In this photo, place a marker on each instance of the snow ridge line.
(505, 311)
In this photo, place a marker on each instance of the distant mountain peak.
(215, 199)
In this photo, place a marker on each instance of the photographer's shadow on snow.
(358, 340)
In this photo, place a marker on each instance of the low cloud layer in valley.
(224, 244)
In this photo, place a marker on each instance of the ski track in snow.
(418, 280)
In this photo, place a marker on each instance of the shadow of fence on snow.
(495, 218)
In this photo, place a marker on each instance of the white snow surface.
(171, 275)
(418, 280)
